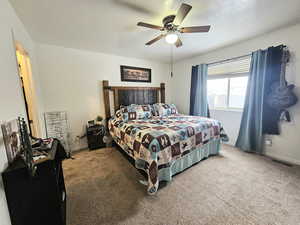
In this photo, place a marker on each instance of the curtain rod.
(235, 58)
(228, 60)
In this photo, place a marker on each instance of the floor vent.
(282, 162)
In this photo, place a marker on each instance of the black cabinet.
(40, 199)
(95, 136)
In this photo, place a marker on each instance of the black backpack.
(282, 95)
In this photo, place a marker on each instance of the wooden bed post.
(116, 99)
(162, 93)
(106, 99)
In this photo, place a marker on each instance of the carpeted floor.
(234, 188)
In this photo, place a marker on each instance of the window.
(227, 84)
(217, 90)
(238, 86)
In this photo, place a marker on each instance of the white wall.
(285, 146)
(72, 81)
(11, 98)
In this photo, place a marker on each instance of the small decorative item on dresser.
(12, 139)
(95, 136)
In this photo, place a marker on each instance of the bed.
(161, 144)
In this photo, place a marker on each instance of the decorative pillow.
(119, 114)
(162, 109)
(135, 112)
(153, 110)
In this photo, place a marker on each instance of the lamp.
(171, 38)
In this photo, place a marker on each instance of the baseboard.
(276, 157)
(74, 150)
(283, 158)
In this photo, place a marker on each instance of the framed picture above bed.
(135, 74)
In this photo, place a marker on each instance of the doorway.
(25, 73)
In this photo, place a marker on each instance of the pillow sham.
(134, 112)
(163, 109)
(119, 114)
(153, 110)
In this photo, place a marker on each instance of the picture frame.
(135, 74)
(12, 139)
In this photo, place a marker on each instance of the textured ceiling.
(109, 26)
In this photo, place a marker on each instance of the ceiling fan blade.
(178, 43)
(155, 39)
(182, 12)
(198, 29)
(148, 25)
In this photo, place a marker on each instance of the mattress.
(164, 146)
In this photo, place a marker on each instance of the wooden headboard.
(124, 95)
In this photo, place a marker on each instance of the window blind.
(238, 66)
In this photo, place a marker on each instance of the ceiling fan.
(171, 27)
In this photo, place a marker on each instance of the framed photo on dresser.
(12, 139)
(135, 74)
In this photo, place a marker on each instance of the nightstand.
(95, 136)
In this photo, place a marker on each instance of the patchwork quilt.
(157, 142)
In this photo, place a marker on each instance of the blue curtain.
(198, 98)
(250, 135)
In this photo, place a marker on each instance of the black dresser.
(95, 136)
(38, 200)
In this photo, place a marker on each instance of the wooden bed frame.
(125, 95)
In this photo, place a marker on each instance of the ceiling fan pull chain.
(172, 59)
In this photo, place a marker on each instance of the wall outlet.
(268, 142)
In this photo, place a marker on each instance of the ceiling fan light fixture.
(171, 38)
(172, 27)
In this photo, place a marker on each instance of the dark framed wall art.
(135, 74)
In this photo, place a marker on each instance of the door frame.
(35, 126)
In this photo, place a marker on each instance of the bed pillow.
(135, 112)
(162, 109)
(153, 110)
(119, 114)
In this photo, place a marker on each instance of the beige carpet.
(234, 188)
